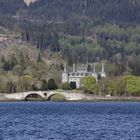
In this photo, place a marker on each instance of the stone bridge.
(46, 95)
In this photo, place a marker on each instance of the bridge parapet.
(45, 95)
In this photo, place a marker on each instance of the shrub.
(52, 84)
(44, 85)
(65, 86)
(89, 84)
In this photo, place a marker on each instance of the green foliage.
(57, 97)
(64, 86)
(22, 60)
(39, 59)
(110, 87)
(114, 87)
(132, 85)
(3, 59)
(11, 87)
(9, 65)
(121, 86)
(124, 86)
(75, 31)
(89, 85)
(51, 84)
(25, 83)
(7, 84)
(80, 31)
(2, 85)
(44, 85)
(17, 70)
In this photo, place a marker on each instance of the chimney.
(94, 67)
(103, 69)
(65, 67)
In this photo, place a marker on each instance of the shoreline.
(93, 99)
(60, 96)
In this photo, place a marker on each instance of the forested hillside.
(79, 31)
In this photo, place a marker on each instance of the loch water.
(70, 121)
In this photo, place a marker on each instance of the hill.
(80, 31)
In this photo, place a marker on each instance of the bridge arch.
(35, 96)
(57, 96)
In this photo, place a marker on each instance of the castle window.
(73, 74)
(77, 74)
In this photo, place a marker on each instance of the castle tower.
(65, 68)
(94, 67)
(103, 74)
(103, 69)
(74, 68)
(65, 75)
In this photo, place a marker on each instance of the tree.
(17, 70)
(65, 86)
(22, 60)
(126, 85)
(132, 85)
(7, 66)
(3, 59)
(2, 87)
(39, 59)
(13, 61)
(111, 87)
(25, 83)
(121, 86)
(51, 84)
(3, 82)
(89, 85)
(11, 87)
(44, 85)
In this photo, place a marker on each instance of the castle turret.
(103, 74)
(74, 68)
(65, 68)
(103, 69)
(65, 75)
(94, 67)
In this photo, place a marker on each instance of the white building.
(79, 72)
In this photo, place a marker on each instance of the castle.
(81, 71)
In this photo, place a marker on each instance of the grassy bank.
(57, 97)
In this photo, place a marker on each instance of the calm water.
(69, 121)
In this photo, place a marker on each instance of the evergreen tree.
(51, 84)
(44, 85)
